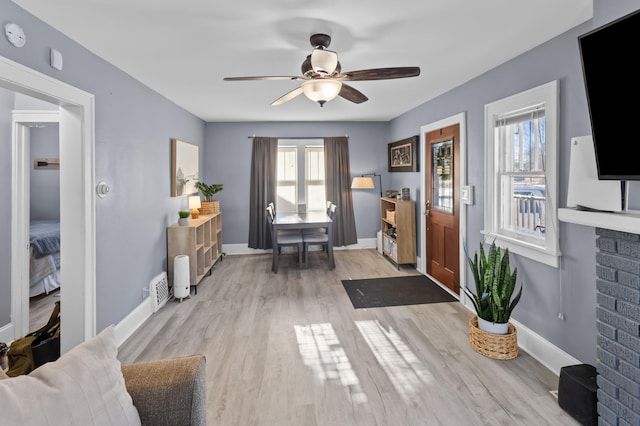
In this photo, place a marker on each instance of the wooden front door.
(442, 205)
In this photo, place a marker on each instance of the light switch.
(56, 59)
(466, 194)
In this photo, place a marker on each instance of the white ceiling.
(183, 49)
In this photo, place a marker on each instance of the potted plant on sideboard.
(209, 205)
(493, 300)
(183, 217)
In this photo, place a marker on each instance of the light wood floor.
(40, 309)
(290, 349)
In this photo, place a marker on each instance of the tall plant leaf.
(494, 283)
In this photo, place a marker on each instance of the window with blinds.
(521, 173)
(521, 189)
(300, 171)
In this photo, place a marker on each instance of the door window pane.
(442, 176)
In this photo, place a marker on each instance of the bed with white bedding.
(44, 264)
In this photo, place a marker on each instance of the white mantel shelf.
(624, 221)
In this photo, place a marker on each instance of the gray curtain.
(337, 175)
(264, 160)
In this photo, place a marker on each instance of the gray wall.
(228, 156)
(134, 127)
(548, 291)
(44, 183)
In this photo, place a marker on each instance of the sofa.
(168, 392)
(89, 386)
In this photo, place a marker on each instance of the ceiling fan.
(323, 80)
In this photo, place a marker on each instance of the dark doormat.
(395, 291)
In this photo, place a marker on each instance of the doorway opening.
(77, 205)
(39, 135)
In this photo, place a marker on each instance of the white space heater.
(159, 291)
(181, 277)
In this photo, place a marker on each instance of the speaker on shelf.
(181, 277)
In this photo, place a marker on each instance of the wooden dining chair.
(318, 238)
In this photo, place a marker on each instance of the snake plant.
(495, 284)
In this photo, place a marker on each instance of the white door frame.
(445, 122)
(21, 188)
(77, 200)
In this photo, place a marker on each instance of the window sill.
(550, 258)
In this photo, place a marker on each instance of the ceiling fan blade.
(287, 96)
(265, 77)
(380, 74)
(351, 94)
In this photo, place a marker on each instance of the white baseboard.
(545, 352)
(237, 249)
(363, 243)
(122, 330)
(542, 350)
(419, 266)
(129, 324)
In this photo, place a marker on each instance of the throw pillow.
(84, 386)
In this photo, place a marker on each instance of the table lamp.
(194, 205)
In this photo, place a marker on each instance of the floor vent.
(159, 291)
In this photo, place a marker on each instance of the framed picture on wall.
(403, 155)
(185, 162)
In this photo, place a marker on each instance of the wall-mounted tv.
(612, 82)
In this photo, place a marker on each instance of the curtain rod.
(301, 137)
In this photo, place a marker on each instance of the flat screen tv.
(609, 57)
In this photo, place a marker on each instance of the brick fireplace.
(618, 322)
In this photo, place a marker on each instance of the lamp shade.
(321, 91)
(324, 61)
(363, 183)
(194, 202)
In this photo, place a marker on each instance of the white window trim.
(550, 253)
(307, 182)
(289, 183)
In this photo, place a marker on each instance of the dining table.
(302, 221)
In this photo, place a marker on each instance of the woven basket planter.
(209, 207)
(496, 346)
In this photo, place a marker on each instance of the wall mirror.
(185, 164)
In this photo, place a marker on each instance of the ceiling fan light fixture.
(321, 91)
(324, 61)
